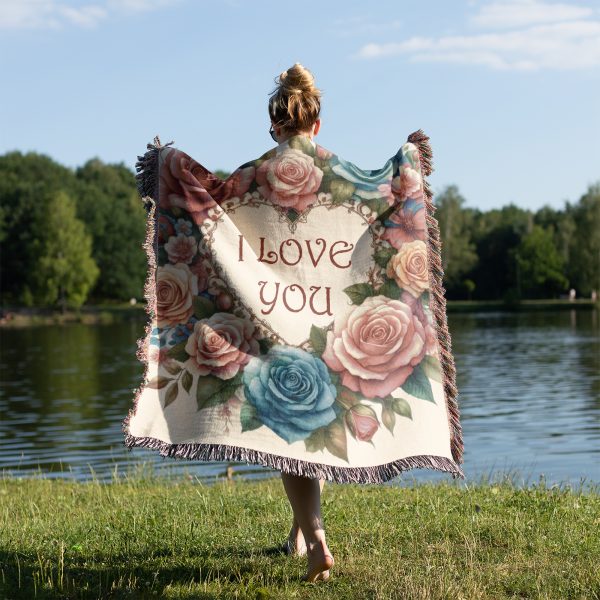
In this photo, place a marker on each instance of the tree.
(496, 233)
(584, 249)
(541, 267)
(109, 204)
(65, 270)
(458, 251)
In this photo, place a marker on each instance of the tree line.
(74, 236)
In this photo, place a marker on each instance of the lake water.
(529, 396)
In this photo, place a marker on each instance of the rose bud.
(362, 422)
(224, 301)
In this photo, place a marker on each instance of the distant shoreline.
(11, 316)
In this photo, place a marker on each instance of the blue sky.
(508, 90)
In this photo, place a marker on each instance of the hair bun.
(298, 80)
(295, 104)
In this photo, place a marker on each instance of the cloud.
(56, 14)
(540, 35)
(520, 13)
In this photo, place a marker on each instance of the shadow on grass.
(28, 575)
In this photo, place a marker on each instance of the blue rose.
(366, 180)
(291, 391)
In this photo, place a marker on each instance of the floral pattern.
(353, 378)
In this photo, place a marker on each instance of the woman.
(370, 393)
(294, 109)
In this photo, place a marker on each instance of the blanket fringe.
(147, 176)
(147, 182)
(336, 474)
(436, 273)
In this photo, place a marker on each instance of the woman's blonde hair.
(295, 104)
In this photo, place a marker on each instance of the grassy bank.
(117, 312)
(145, 537)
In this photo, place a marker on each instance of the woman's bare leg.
(295, 536)
(304, 494)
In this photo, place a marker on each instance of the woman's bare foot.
(320, 560)
(295, 541)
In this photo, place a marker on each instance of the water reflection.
(529, 395)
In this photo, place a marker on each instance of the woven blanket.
(296, 315)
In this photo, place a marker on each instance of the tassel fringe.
(436, 274)
(304, 468)
(147, 185)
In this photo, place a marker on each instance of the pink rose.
(289, 179)
(408, 267)
(409, 221)
(408, 184)
(237, 184)
(183, 183)
(376, 346)
(323, 152)
(386, 192)
(181, 248)
(159, 355)
(221, 345)
(176, 287)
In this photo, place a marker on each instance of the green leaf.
(335, 439)
(335, 377)
(418, 385)
(171, 393)
(316, 440)
(178, 352)
(359, 291)
(390, 289)
(401, 407)
(302, 143)
(377, 205)
(341, 190)
(388, 416)
(249, 418)
(158, 382)
(432, 367)
(212, 390)
(383, 255)
(186, 381)
(265, 345)
(172, 368)
(318, 339)
(203, 307)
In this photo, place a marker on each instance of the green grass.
(150, 536)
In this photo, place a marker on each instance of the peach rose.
(183, 184)
(376, 346)
(220, 345)
(408, 267)
(181, 248)
(176, 287)
(289, 179)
